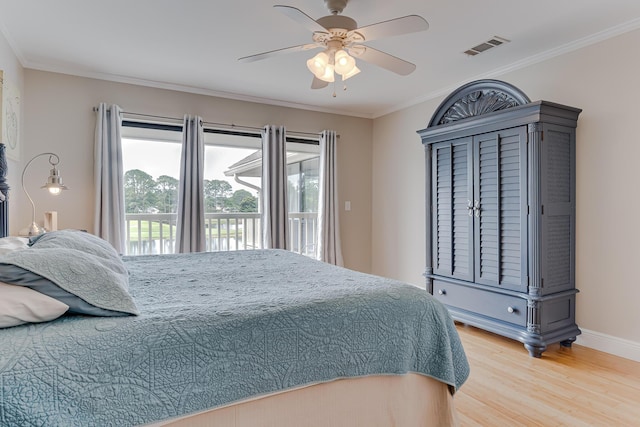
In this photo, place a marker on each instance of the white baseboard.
(609, 344)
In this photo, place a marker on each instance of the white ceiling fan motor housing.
(335, 6)
(338, 21)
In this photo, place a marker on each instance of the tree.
(235, 202)
(139, 191)
(311, 194)
(167, 194)
(215, 194)
(242, 201)
(249, 204)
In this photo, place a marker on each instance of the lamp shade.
(352, 73)
(321, 67)
(54, 182)
(344, 64)
(318, 64)
(327, 76)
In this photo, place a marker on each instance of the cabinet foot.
(534, 350)
(567, 343)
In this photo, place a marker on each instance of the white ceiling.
(193, 45)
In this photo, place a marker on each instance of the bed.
(245, 338)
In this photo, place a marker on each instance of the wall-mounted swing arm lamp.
(53, 184)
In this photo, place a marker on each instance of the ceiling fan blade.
(393, 27)
(382, 59)
(301, 18)
(271, 53)
(318, 84)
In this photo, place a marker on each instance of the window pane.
(226, 190)
(151, 170)
(310, 180)
(294, 190)
(302, 171)
(232, 187)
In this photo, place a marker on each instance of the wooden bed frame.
(374, 401)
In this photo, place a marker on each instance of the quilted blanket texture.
(215, 328)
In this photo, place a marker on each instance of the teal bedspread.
(215, 328)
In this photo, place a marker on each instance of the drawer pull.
(511, 309)
(442, 292)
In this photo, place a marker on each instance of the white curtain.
(109, 220)
(274, 213)
(190, 233)
(328, 240)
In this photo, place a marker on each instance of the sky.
(163, 158)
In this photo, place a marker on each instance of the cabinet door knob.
(511, 309)
(470, 207)
(442, 292)
(476, 208)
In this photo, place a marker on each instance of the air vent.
(483, 47)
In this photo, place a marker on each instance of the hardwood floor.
(574, 386)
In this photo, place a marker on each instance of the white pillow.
(10, 244)
(19, 305)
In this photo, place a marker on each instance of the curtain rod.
(232, 126)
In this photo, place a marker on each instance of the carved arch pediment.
(478, 98)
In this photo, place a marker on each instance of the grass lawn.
(167, 231)
(155, 231)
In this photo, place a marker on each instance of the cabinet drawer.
(487, 303)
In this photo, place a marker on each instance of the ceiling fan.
(341, 40)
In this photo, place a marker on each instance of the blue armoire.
(501, 214)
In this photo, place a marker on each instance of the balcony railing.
(156, 233)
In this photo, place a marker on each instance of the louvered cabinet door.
(452, 225)
(500, 208)
(557, 182)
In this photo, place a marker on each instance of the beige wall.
(59, 117)
(602, 79)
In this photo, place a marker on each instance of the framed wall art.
(10, 117)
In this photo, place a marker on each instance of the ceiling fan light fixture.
(344, 64)
(328, 75)
(321, 67)
(351, 73)
(318, 64)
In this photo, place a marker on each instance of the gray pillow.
(76, 268)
